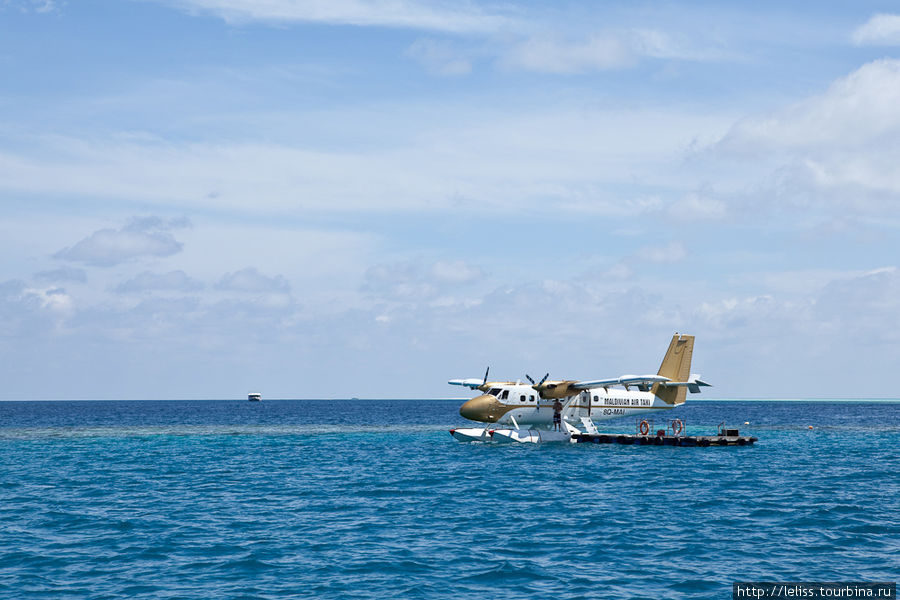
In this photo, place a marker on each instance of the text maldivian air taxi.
(527, 410)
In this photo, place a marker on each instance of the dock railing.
(675, 428)
(644, 427)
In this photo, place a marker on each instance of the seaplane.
(524, 412)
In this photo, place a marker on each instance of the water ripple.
(325, 510)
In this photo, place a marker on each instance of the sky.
(338, 198)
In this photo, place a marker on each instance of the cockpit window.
(504, 395)
(494, 391)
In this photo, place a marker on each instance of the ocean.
(374, 499)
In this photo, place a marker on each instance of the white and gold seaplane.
(519, 412)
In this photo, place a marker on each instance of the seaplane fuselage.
(511, 403)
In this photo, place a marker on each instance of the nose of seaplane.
(484, 408)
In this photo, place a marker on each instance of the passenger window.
(531, 398)
(596, 398)
(504, 395)
(522, 398)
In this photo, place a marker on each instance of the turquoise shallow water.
(374, 499)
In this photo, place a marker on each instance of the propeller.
(537, 386)
(486, 371)
(554, 389)
(543, 379)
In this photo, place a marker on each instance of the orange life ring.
(645, 427)
(677, 427)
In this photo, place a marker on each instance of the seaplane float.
(524, 412)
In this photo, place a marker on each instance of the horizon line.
(737, 399)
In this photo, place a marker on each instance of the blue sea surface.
(374, 499)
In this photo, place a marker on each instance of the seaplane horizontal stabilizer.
(693, 384)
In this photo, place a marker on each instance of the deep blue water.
(374, 499)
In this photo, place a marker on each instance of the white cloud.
(653, 43)
(250, 280)
(698, 206)
(549, 53)
(546, 54)
(399, 281)
(62, 275)
(856, 110)
(550, 316)
(39, 6)
(457, 17)
(801, 282)
(456, 272)
(880, 30)
(832, 151)
(814, 313)
(31, 311)
(495, 159)
(142, 237)
(54, 299)
(738, 313)
(866, 181)
(439, 57)
(866, 306)
(177, 281)
(443, 283)
(670, 253)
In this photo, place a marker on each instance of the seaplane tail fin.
(676, 366)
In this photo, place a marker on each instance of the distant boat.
(254, 397)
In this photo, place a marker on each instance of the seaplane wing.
(472, 382)
(636, 380)
(693, 384)
(469, 383)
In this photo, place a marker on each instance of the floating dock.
(672, 435)
(664, 440)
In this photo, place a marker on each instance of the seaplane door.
(586, 397)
